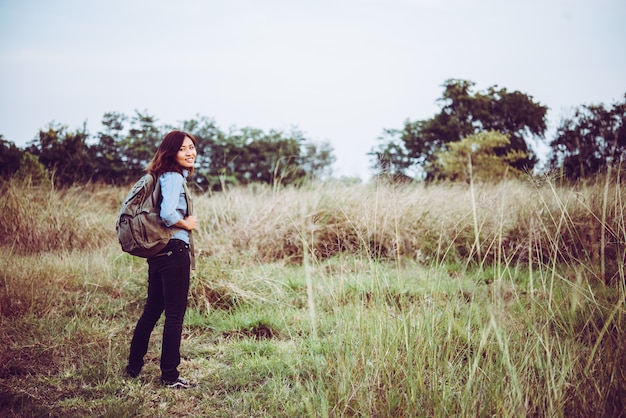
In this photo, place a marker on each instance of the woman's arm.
(173, 202)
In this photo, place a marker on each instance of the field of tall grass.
(330, 300)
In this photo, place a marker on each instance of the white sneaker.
(179, 383)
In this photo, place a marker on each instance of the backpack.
(140, 230)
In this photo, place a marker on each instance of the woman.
(168, 271)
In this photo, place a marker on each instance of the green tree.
(110, 165)
(250, 155)
(317, 159)
(590, 141)
(479, 156)
(32, 172)
(256, 157)
(392, 158)
(463, 113)
(65, 154)
(10, 157)
(139, 146)
(209, 137)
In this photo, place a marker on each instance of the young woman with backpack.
(169, 270)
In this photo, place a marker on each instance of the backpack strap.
(192, 251)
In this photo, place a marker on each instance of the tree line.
(119, 153)
(486, 135)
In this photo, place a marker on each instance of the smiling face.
(186, 155)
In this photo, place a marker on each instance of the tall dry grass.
(36, 219)
(511, 222)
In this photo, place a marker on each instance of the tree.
(65, 154)
(590, 141)
(464, 113)
(478, 156)
(32, 172)
(208, 136)
(252, 156)
(249, 155)
(110, 166)
(139, 146)
(392, 157)
(10, 157)
(317, 159)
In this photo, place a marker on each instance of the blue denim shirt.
(174, 204)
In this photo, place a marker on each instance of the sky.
(340, 71)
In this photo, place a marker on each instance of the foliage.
(10, 156)
(590, 141)
(480, 157)
(252, 156)
(120, 152)
(121, 158)
(111, 167)
(138, 147)
(32, 172)
(65, 154)
(210, 138)
(464, 113)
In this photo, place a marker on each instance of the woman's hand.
(189, 223)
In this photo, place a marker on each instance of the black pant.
(168, 287)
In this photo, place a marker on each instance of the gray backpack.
(140, 230)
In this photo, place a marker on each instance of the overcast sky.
(341, 71)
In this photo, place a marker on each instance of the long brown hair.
(164, 159)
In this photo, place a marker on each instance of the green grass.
(376, 331)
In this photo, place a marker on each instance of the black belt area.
(179, 247)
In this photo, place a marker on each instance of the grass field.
(327, 301)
